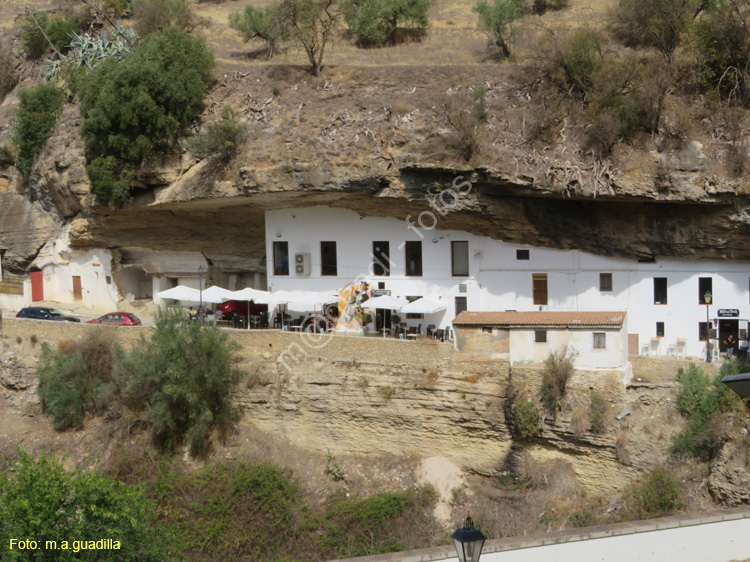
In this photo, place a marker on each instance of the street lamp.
(469, 542)
(200, 290)
(707, 300)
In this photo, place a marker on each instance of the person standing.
(730, 342)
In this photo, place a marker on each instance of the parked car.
(232, 310)
(117, 319)
(44, 313)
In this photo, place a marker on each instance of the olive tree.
(497, 19)
(311, 25)
(263, 23)
(375, 21)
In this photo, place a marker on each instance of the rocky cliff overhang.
(380, 150)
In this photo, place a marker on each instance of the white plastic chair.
(653, 349)
(680, 350)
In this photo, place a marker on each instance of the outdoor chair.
(680, 348)
(653, 349)
(430, 330)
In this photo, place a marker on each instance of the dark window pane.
(705, 285)
(605, 282)
(414, 259)
(660, 290)
(328, 261)
(460, 258)
(522, 254)
(540, 336)
(281, 258)
(381, 258)
(660, 329)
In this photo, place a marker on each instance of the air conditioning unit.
(302, 264)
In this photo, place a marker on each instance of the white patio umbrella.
(180, 293)
(423, 306)
(302, 298)
(247, 294)
(386, 302)
(215, 294)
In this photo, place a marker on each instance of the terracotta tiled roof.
(544, 318)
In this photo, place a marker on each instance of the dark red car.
(231, 310)
(117, 319)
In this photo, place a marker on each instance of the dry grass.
(453, 38)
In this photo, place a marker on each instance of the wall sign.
(387, 292)
(728, 312)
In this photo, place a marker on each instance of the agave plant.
(89, 51)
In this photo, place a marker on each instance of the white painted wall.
(523, 348)
(498, 281)
(59, 263)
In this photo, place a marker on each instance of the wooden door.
(37, 286)
(77, 289)
(633, 344)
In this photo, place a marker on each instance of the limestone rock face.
(729, 481)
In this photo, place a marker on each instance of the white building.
(664, 299)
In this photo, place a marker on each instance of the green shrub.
(38, 110)
(41, 501)
(719, 41)
(60, 29)
(701, 400)
(109, 179)
(658, 24)
(598, 413)
(374, 22)
(76, 379)
(181, 379)
(63, 383)
(157, 15)
(526, 418)
(376, 525)
(133, 108)
(581, 59)
(582, 519)
(8, 74)
(498, 20)
(264, 23)
(558, 368)
(657, 496)
(32, 34)
(220, 139)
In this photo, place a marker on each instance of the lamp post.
(469, 542)
(707, 300)
(200, 291)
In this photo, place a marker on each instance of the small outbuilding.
(599, 338)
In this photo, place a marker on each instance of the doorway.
(77, 289)
(726, 327)
(382, 318)
(37, 286)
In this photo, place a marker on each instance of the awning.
(246, 294)
(423, 306)
(386, 302)
(180, 293)
(215, 294)
(301, 298)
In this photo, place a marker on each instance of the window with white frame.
(600, 340)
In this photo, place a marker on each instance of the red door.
(77, 289)
(37, 286)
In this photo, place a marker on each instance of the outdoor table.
(385, 331)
